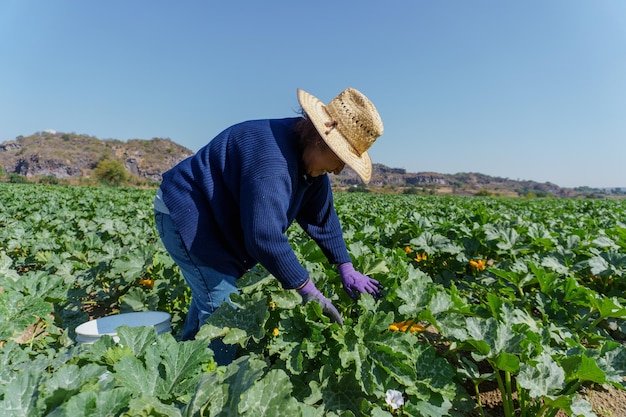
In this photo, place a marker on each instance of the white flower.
(394, 399)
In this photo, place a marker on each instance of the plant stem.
(507, 378)
(506, 402)
(553, 411)
(524, 401)
(543, 409)
(480, 404)
(582, 321)
(595, 323)
(573, 388)
(509, 390)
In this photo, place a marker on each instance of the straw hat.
(349, 124)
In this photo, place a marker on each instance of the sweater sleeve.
(264, 205)
(319, 220)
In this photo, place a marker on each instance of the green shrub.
(111, 172)
(360, 188)
(17, 178)
(49, 179)
(483, 193)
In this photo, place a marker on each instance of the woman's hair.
(308, 134)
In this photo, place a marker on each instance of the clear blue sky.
(532, 89)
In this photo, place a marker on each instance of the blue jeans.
(209, 288)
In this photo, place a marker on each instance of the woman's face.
(318, 160)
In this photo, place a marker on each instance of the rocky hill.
(465, 183)
(72, 158)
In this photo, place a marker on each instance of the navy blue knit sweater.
(235, 198)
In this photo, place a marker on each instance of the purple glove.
(356, 283)
(310, 292)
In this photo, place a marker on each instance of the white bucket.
(89, 332)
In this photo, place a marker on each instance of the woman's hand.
(310, 292)
(356, 283)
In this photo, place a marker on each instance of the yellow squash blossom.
(479, 264)
(422, 257)
(147, 282)
(275, 332)
(404, 326)
(407, 250)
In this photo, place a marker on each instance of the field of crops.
(526, 295)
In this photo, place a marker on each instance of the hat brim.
(317, 113)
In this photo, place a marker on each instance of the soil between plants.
(605, 402)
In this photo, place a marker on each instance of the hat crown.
(357, 119)
(349, 125)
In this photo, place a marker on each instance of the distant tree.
(17, 178)
(359, 188)
(49, 179)
(111, 172)
(483, 193)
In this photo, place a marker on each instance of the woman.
(227, 208)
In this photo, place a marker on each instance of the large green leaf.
(138, 339)
(612, 360)
(151, 406)
(20, 396)
(436, 406)
(582, 368)
(6, 269)
(181, 363)
(607, 307)
(341, 393)
(414, 293)
(432, 243)
(68, 380)
(573, 405)
(137, 377)
(298, 340)
(18, 311)
(168, 368)
(219, 394)
(96, 404)
(237, 324)
(542, 378)
(269, 397)
(434, 372)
